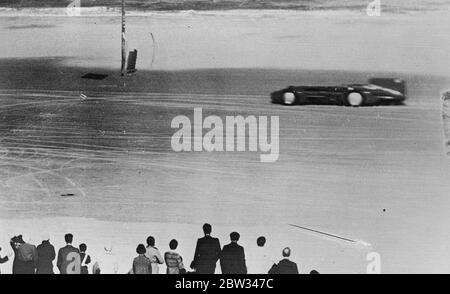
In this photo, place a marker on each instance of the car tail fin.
(394, 84)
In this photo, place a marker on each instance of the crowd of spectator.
(29, 259)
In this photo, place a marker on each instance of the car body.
(378, 91)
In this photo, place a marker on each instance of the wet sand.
(376, 174)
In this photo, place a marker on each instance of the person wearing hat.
(259, 261)
(232, 257)
(46, 256)
(69, 261)
(15, 242)
(25, 256)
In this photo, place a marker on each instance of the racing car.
(378, 91)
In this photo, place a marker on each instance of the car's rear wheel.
(354, 99)
(289, 98)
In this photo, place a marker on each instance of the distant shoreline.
(181, 4)
(224, 5)
(168, 5)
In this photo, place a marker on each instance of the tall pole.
(124, 57)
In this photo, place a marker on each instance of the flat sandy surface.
(376, 174)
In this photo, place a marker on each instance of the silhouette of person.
(141, 264)
(232, 257)
(46, 256)
(173, 260)
(207, 253)
(69, 260)
(285, 266)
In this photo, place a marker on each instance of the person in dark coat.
(69, 260)
(25, 256)
(207, 253)
(46, 256)
(285, 266)
(232, 257)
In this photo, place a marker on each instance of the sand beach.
(377, 174)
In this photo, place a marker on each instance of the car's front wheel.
(354, 99)
(289, 98)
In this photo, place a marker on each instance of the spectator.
(232, 258)
(173, 260)
(285, 266)
(69, 261)
(142, 264)
(314, 272)
(46, 255)
(85, 259)
(259, 261)
(3, 259)
(25, 256)
(107, 263)
(154, 255)
(15, 242)
(207, 253)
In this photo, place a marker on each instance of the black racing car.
(378, 91)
